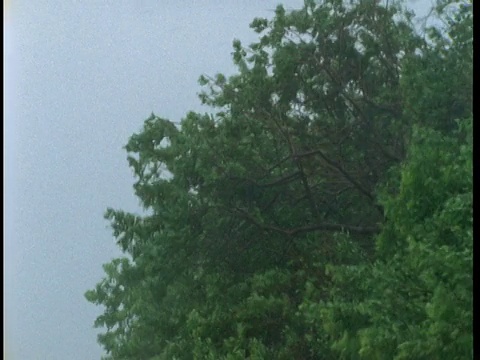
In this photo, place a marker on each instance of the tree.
(415, 299)
(255, 211)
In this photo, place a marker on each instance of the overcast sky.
(80, 78)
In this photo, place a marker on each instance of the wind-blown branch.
(340, 169)
(276, 182)
(367, 230)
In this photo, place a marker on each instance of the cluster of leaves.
(323, 211)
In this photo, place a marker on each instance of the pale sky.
(80, 78)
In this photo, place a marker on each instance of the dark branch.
(341, 170)
(311, 228)
(276, 182)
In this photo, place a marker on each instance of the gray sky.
(80, 78)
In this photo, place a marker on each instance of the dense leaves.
(415, 299)
(322, 211)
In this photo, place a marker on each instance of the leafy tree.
(415, 299)
(265, 235)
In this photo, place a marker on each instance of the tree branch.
(279, 181)
(311, 228)
(341, 170)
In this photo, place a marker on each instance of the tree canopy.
(322, 210)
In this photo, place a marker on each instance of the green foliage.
(448, 56)
(415, 299)
(323, 211)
